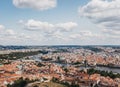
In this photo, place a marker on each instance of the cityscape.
(60, 43)
(71, 66)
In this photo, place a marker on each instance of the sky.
(60, 22)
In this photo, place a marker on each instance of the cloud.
(44, 33)
(104, 13)
(35, 25)
(8, 36)
(104, 9)
(4, 31)
(111, 33)
(11, 37)
(35, 4)
(1, 27)
(50, 31)
(83, 35)
(66, 26)
(10, 32)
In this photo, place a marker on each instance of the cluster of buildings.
(30, 69)
(60, 65)
(17, 50)
(80, 55)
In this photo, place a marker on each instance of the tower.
(84, 60)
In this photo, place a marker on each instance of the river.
(102, 68)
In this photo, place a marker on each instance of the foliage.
(103, 73)
(15, 56)
(40, 64)
(21, 82)
(76, 63)
(55, 79)
(66, 70)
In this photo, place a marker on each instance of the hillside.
(46, 84)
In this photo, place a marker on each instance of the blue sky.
(59, 22)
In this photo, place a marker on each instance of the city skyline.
(58, 22)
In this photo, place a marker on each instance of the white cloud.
(57, 31)
(49, 27)
(35, 4)
(66, 26)
(38, 25)
(1, 27)
(9, 36)
(10, 32)
(104, 13)
(20, 22)
(84, 35)
(111, 33)
(97, 9)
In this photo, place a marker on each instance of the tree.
(66, 70)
